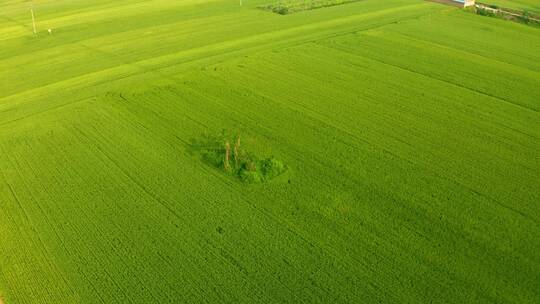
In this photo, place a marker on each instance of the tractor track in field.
(63, 105)
(457, 85)
(141, 186)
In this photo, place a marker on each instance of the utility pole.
(236, 152)
(33, 19)
(227, 153)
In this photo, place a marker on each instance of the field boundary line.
(7, 122)
(472, 89)
(350, 31)
(75, 16)
(465, 52)
(255, 41)
(439, 79)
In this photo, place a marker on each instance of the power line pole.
(33, 19)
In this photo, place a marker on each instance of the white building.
(466, 3)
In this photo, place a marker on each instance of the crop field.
(409, 134)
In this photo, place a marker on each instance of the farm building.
(466, 3)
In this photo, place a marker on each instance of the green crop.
(410, 132)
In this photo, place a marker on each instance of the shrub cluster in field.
(286, 7)
(226, 153)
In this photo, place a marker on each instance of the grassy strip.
(524, 17)
(294, 6)
(513, 5)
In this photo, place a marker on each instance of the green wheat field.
(406, 134)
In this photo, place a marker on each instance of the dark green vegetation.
(411, 130)
(504, 13)
(521, 5)
(226, 152)
(285, 7)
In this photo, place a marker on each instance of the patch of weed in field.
(225, 152)
(286, 7)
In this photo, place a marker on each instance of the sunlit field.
(367, 152)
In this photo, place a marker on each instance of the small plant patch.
(226, 153)
(286, 7)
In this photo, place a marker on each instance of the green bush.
(484, 12)
(251, 177)
(282, 10)
(271, 168)
(242, 164)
